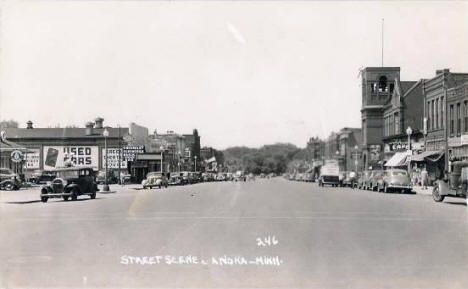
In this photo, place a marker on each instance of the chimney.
(99, 121)
(440, 71)
(89, 128)
(29, 125)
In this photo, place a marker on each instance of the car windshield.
(67, 174)
(399, 173)
(154, 175)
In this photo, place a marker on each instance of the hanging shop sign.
(374, 152)
(16, 156)
(33, 159)
(129, 152)
(113, 159)
(79, 156)
(454, 142)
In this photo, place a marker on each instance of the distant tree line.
(267, 159)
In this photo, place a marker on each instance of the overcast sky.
(242, 73)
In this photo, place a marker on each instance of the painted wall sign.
(80, 156)
(113, 159)
(130, 152)
(33, 159)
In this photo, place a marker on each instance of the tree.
(8, 124)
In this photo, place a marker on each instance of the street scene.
(251, 144)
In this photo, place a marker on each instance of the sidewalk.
(420, 191)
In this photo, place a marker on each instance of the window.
(442, 117)
(465, 114)
(432, 115)
(397, 123)
(383, 84)
(392, 87)
(451, 119)
(458, 118)
(437, 113)
(428, 114)
(373, 87)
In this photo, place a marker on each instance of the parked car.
(363, 180)
(125, 179)
(175, 181)
(454, 185)
(9, 180)
(71, 183)
(111, 178)
(374, 179)
(341, 177)
(155, 179)
(394, 180)
(42, 176)
(350, 180)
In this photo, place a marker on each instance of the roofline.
(413, 87)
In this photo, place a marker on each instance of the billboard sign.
(113, 159)
(80, 156)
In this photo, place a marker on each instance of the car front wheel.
(44, 199)
(74, 194)
(436, 194)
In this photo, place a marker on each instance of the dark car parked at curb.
(349, 180)
(454, 184)
(9, 180)
(71, 183)
(394, 180)
(42, 177)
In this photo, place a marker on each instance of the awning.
(398, 159)
(432, 156)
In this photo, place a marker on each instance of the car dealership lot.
(267, 233)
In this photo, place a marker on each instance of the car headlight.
(49, 183)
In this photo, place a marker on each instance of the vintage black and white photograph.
(233, 144)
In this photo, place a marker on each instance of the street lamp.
(161, 148)
(195, 163)
(105, 133)
(178, 156)
(409, 131)
(356, 157)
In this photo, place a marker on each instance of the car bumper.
(407, 187)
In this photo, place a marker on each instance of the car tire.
(436, 194)
(93, 196)
(65, 198)
(44, 199)
(74, 194)
(8, 186)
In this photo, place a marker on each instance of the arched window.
(383, 84)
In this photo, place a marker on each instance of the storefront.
(48, 148)
(14, 156)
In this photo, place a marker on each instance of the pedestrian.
(424, 178)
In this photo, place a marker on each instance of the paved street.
(319, 238)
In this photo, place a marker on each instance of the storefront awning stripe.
(398, 160)
(433, 156)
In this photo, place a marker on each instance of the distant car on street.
(363, 180)
(111, 178)
(374, 179)
(394, 180)
(175, 181)
(349, 180)
(9, 180)
(71, 183)
(154, 179)
(42, 176)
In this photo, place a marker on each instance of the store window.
(442, 106)
(437, 113)
(428, 114)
